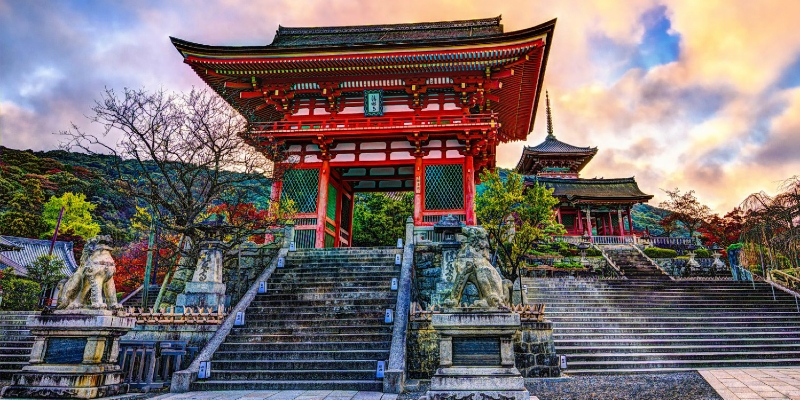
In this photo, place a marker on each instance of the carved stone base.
(74, 356)
(476, 357)
(42, 385)
(202, 294)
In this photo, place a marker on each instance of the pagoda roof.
(303, 57)
(25, 251)
(553, 145)
(386, 34)
(598, 190)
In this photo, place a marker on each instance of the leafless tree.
(179, 153)
(771, 233)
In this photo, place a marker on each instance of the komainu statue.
(92, 284)
(473, 265)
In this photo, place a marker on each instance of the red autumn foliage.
(245, 217)
(131, 266)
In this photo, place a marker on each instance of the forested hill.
(28, 179)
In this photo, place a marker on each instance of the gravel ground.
(678, 386)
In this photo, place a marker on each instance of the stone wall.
(422, 350)
(534, 350)
(427, 272)
(194, 335)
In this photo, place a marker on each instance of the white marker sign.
(394, 283)
(262, 287)
(380, 370)
(389, 318)
(239, 321)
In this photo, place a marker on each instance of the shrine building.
(596, 207)
(407, 107)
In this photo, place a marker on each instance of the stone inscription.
(65, 350)
(476, 351)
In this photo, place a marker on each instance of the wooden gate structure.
(408, 107)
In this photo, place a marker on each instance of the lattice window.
(347, 219)
(302, 186)
(329, 240)
(444, 187)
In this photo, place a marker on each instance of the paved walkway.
(754, 383)
(280, 395)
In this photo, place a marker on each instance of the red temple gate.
(409, 107)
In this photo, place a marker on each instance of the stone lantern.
(718, 265)
(448, 226)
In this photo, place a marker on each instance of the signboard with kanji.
(373, 103)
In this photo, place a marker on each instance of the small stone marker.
(205, 370)
(563, 362)
(281, 262)
(239, 321)
(292, 246)
(397, 259)
(394, 283)
(389, 318)
(262, 287)
(525, 289)
(381, 368)
(399, 243)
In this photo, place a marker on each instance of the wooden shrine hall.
(408, 107)
(596, 207)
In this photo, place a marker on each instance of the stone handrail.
(182, 380)
(395, 375)
(789, 281)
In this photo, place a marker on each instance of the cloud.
(679, 93)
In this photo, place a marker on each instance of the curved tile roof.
(384, 34)
(553, 145)
(624, 189)
(31, 249)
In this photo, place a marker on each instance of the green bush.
(592, 252)
(568, 265)
(702, 253)
(657, 252)
(734, 246)
(19, 294)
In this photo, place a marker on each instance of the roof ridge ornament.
(549, 117)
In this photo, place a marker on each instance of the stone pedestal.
(74, 356)
(206, 288)
(476, 356)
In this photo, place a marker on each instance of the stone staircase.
(15, 342)
(319, 326)
(632, 263)
(630, 326)
(136, 299)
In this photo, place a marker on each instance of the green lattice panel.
(302, 186)
(444, 187)
(330, 208)
(329, 240)
(305, 239)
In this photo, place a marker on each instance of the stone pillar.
(206, 288)
(589, 220)
(322, 202)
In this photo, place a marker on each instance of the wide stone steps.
(295, 356)
(320, 325)
(632, 326)
(371, 385)
(15, 342)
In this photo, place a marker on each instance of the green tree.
(515, 217)
(379, 220)
(77, 215)
(48, 271)
(18, 294)
(22, 213)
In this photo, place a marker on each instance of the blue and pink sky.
(701, 95)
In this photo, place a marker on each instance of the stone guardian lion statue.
(92, 284)
(472, 265)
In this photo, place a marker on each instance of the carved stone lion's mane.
(92, 284)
